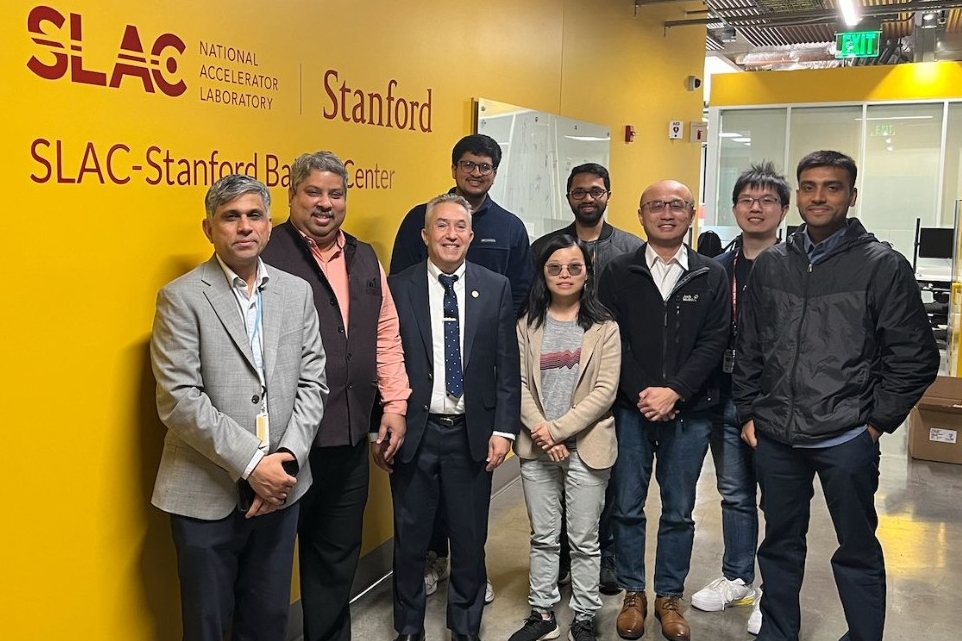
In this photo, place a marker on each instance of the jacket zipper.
(684, 280)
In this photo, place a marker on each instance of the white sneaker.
(488, 593)
(435, 570)
(755, 620)
(721, 593)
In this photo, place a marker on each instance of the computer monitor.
(936, 242)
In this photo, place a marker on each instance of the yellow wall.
(921, 81)
(83, 553)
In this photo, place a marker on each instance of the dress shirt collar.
(236, 282)
(681, 257)
(826, 245)
(434, 271)
(331, 251)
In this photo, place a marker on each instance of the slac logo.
(64, 54)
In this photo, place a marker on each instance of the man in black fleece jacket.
(673, 308)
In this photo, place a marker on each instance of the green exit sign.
(857, 44)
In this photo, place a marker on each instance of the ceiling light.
(729, 134)
(742, 139)
(849, 12)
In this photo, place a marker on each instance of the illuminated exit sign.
(857, 44)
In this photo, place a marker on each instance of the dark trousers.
(849, 476)
(329, 539)
(441, 472)
(235, 574)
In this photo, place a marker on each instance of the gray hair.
(446, 198)
(234, 186)
(304, 164)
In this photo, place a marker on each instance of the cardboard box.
(935, 424)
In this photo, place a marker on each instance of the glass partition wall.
(909, 157)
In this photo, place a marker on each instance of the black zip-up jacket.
(676, 343)
(825, 348)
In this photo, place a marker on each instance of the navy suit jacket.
(492, 379)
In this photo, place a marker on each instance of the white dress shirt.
(666, 273)
(441, 401)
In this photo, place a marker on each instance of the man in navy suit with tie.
(461, 353)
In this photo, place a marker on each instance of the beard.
(589, 217)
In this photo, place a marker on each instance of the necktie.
(453, 376)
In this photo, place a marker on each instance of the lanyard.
(735, 295)
(254, 335)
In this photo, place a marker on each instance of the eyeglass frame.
(580, 268)
(587, 192)
(748, 201)
(685, 205)
(468, 167)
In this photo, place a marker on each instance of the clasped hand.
(658, 403)
(271, 484)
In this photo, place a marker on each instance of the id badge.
(263, 430)
(728, 362)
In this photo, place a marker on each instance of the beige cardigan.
(590, 415)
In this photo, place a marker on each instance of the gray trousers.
(583, 488)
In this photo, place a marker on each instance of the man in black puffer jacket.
(834, 349)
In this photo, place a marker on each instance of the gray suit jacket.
(208, 391)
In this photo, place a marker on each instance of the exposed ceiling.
(793, 34)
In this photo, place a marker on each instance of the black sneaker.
(536, 628)
(582, 630)
(609, 577)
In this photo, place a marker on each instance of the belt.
(447, 420)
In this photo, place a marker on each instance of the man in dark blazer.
(241, 389)
(462, 416)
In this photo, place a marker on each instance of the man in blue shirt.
(500, 239)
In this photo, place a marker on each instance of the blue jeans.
(735, 478)
(679, 447)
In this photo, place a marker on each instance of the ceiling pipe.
(817, 16)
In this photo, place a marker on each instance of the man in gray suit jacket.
(239, 366)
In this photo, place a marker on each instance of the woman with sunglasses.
(570, 362)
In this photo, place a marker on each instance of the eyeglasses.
(658, 206)
(468, 166)
(765, 201)
(594, 192)
(554, 269)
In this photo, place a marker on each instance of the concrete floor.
(920, 513)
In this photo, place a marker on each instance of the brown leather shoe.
(673, 625)
(631, 620)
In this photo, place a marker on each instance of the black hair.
(590, 312)
(827, 158)
(479, 145)
(763, 176)
(589, 168)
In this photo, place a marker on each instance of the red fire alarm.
(629, 133)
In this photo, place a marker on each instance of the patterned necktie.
(453, 376)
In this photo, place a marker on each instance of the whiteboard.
(539, 151)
